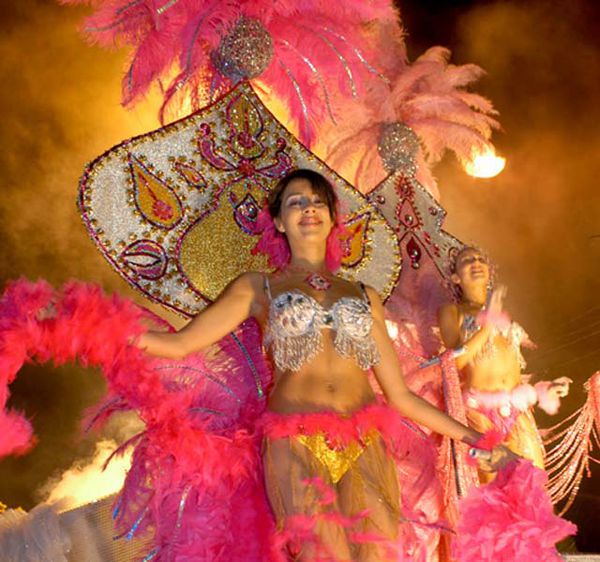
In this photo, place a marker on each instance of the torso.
(498, 365)
(326, 380)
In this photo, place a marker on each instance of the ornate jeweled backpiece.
(174, 210)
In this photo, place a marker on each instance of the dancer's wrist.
(499, 320)
(472, 437)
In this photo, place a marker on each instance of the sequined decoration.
(245, 52)
(417, 219)
(337, 460)
(155, 199)
(317, 281)
(295, 330)
(513, 334)
(146, 258)
(356, 243)
(174, 210)
(569, 446)
(397, 147)
(460, 475)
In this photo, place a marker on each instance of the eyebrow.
(300, 194)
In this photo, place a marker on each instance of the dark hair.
(320, 185)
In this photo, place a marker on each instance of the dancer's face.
(304, 214)
(472, 268)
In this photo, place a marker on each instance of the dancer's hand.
(494, 460)
(497, 299)
(560, 386)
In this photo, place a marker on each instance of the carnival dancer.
(490, 361)
(324, 333)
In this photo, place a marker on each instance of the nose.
(308, 206)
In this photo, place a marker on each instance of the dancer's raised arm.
(449, 319)
(236, 303)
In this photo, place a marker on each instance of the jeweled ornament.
(397, 147)
(245, 52)
(317, 281)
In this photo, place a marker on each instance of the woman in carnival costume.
(490, 361)
(323, 424)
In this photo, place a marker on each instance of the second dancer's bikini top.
(514, 334)
(296, 322)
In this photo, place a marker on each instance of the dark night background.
(539, 219)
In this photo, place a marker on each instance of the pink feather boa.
(197, 464)
(510, 519)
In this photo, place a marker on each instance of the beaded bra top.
(296, 321)
(515, 334)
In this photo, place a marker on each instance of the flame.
(82, 484)
(484, 163)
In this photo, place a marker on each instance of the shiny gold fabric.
(363, 477)
(337, 461)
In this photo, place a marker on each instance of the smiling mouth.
(310, 222)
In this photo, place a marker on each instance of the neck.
(474, 295)
(308, 265)
(309, 258)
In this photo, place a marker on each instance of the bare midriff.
(499, 370)
(327, 383)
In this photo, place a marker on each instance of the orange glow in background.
(538, 219)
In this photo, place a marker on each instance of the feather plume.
(429, 96)
(322, 52)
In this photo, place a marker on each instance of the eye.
(294, 202)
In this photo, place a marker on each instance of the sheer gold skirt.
(362, 476)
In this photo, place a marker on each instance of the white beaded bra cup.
(296, 321)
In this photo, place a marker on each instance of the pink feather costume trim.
(20, 333)
(510, 519)
(197, 464)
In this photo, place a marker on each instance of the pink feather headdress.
(308, 53)
(428, 97)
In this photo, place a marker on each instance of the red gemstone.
(162, 210)
(246, 167)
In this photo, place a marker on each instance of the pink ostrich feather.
(510, 519)
(321, 49)
(429, 96)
